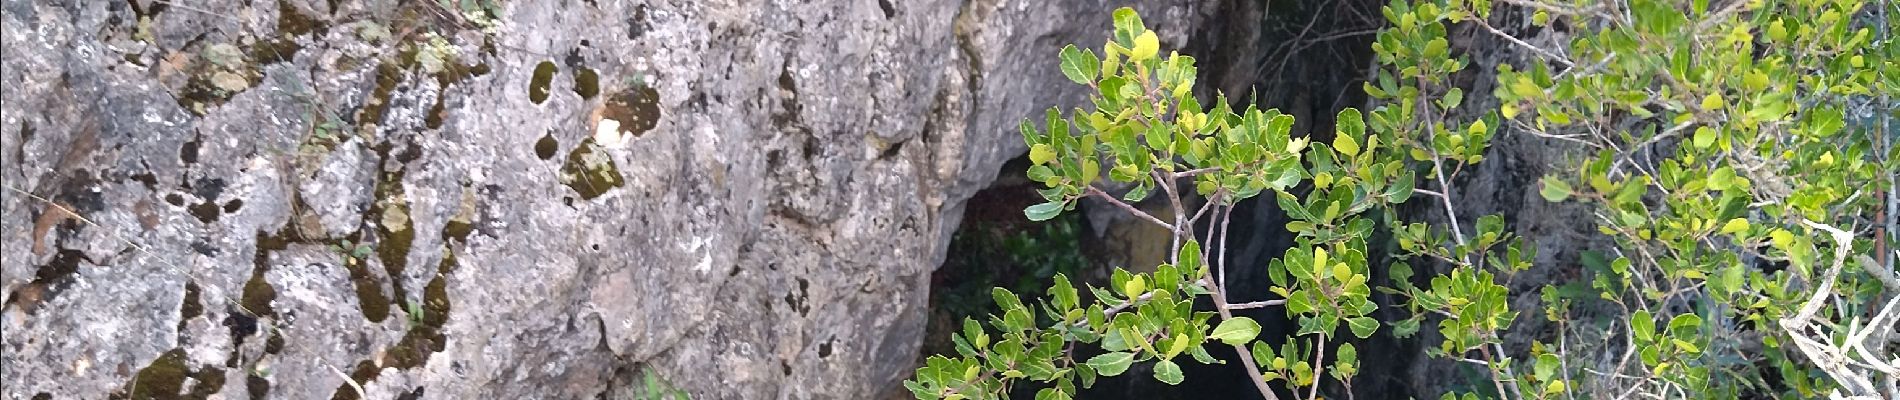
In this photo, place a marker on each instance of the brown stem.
(1093, 191)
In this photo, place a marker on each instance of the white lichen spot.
(82, 365)
(607, 134)
(698, 244)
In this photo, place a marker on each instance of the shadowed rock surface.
(534, 199)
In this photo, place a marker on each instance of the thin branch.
(1319, 366)
(1093, 191)
(1494, 372)
(1520, 43)
(1193, 172)
(1553, 9)
(1885, 276)
(1180, 216)
(1844, 243)
(1451, 213)
(1246, 356)
(1256, 304)
(1226, 214)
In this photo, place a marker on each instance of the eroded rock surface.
(525, 200)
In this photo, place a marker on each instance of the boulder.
(499, 198)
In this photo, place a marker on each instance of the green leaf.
(1735, 225)
(1732, 277)
(1236, 331)
(1040, 173)
(1453, 97)
(1052, 394)
(1686, 346)
(1401, 188)
(1347, 354)
(1722, 178)
(1112, 363)
(1642, 325)
(1555, 190)
(1685, 323)
(1704, 137)
(1168, 372)
(1044, 211)
(1363, 327)
(1080, 65)
(1041, 154)
(1127, 24)
(1190, 256)
(1064, 292)
(1547, 366)
(1178, 345)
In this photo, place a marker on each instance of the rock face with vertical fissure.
(499, 199)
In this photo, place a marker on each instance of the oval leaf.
(1043, 212)
(1168, 372)
(1111, 364)
(1236, 331)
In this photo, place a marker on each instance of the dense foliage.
(1736, 157)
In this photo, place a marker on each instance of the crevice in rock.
(51, 279)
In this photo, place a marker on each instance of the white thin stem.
(1256, 304)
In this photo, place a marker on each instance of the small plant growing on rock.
(1148, 131)
(1721, 138)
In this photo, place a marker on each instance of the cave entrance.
(996, 246)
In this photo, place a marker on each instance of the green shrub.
(1721, 140)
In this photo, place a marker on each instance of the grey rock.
(761, 224)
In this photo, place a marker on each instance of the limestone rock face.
(501, 198)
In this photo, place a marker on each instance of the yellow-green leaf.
(1346, 144)
(1146, 46)
(1712, 102)
(1180, 344)
(1041, 154)
(1704, 137)
(1554, 387)
(1555, 190)
(1135, 287)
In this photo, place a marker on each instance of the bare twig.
(1246, 356)
(1093, 191)
(1520, 43)
(1256, 304)
(1193, 172)
(1844, 244)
